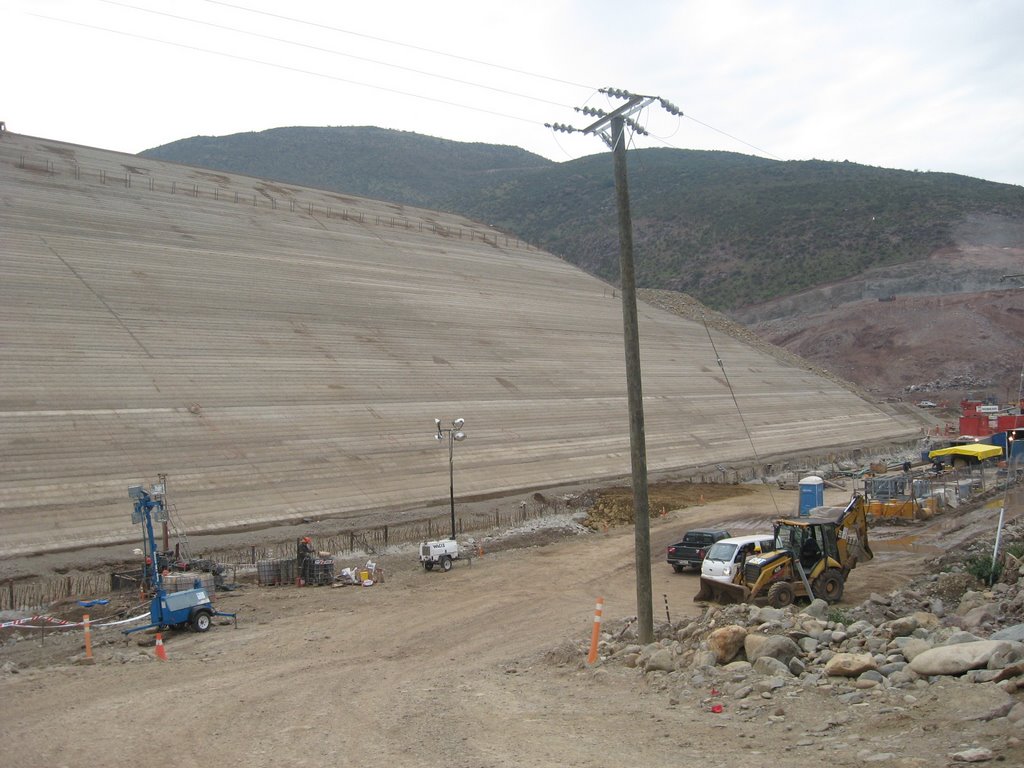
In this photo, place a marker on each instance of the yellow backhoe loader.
(813, 557)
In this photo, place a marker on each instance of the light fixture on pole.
(453, 434)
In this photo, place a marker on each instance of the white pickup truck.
(441, 552)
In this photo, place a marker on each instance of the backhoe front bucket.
(721, 592)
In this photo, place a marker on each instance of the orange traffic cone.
(160, 652)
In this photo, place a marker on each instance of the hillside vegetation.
(730, 229)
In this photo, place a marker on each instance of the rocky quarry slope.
(950, 325)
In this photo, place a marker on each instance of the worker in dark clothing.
(306, 554)
(810, 552)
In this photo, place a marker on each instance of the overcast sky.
(929, 85)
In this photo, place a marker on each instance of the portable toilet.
(812, 494)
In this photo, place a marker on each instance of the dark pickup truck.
(690, 550)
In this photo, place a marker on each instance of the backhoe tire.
(780, 594)
(829, 586)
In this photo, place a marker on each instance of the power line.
(403, 45)
(476, 61)
(735, 402)
(330, 51)
(637, 128)
(734, 138)
(285, 67)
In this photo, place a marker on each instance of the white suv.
(726, 556)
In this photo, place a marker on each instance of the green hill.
(397, 166)
(730, 229)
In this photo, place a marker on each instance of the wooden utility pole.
(634, 389)
(616, 120)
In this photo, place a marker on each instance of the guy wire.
(735, 402)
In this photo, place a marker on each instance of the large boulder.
(687, 631)
(661, 661)
(1016, 633)
(813, 627)
(849, 664)
(958, 658)
(980, 615)
(861, 627)
(726, 642)
(969, 602)
(775, 646)
(766, 614)
(766, 665)
(703, 659)
(914, 647)
(901, 627)
(818, 609)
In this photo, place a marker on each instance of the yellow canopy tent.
(977, 451)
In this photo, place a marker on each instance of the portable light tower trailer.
(189, 607)
(443, 551)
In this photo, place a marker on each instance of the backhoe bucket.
(721, 592)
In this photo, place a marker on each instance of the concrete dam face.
(281, 353)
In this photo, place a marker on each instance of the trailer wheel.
(201, 621)
(829, 586)
(780, 594)
(428, 565)
(446, 564)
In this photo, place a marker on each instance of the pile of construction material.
(365, 575)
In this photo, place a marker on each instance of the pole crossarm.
(602, 127)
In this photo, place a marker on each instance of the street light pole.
(453, 433)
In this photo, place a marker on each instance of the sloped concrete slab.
(282, 353)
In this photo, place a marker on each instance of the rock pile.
(965, 381)
(945, 629)
(747, 647)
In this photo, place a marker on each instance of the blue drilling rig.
(187, 608)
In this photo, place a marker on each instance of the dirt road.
(477, 667)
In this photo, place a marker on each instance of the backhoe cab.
(812, 557)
